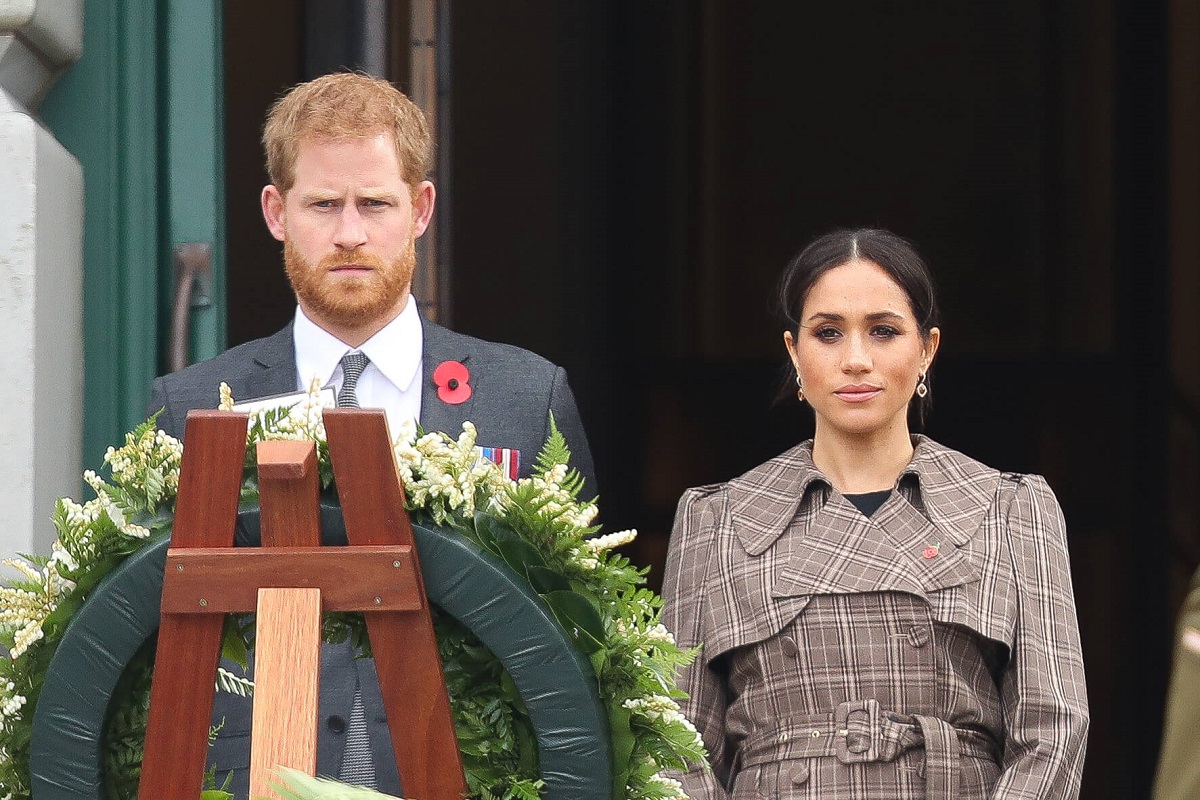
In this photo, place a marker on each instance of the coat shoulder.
(953, 462)
(481, 353)
(258, 368)
(267, 350)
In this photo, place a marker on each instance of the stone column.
(41, 278)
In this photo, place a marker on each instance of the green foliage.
(93, 538)
(495, 735)
(555, 452)
(537, 526)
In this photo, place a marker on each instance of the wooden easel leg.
(286, 683)
(181, 700)
(416, 704)
(405, 647)
(189, 645)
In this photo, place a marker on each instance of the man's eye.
(325, 203)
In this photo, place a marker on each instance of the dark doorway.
(629, 178)
(633, 178)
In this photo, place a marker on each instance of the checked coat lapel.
(847, 553)
(798, 538)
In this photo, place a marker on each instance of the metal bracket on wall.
(193, 289)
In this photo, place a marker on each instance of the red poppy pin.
(931, 551)
(451, 378)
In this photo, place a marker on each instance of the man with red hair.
(347, 157)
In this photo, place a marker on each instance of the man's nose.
(350, 231)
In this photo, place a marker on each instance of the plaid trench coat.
(929, 651)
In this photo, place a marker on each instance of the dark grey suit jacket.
(514, 393)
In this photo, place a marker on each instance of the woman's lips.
(857, 394)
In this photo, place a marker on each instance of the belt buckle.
(858, 728)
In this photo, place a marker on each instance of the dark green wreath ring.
(487, 597)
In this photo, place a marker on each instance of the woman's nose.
(858, 357)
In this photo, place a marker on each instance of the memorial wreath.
(538, 526)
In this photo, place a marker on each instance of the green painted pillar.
(142, 111)
(194, 164)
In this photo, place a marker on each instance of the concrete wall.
(41, 277)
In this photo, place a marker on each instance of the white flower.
(670, 784)
(660, 707)
(12, 701)
(659, 633)
(26, 636)
(611, 540)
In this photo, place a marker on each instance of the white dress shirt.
(390, 381)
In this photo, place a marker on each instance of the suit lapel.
(439, 345)
(274, 370)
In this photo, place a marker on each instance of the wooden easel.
(290, 581)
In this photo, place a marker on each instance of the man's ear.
(273, 211)
(422, 201)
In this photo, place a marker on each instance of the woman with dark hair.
(878, 616)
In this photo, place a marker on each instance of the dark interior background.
(628, 179)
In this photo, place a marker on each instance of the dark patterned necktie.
(358, 767)
(353, 365)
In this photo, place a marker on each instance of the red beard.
(351, 301)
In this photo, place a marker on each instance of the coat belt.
(860, 731)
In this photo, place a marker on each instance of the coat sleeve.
(685, 585)
(566, 419)
(1178, 775)
(1042, 690)
(160, 402)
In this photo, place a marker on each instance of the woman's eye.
(827, 334)
(884, 332)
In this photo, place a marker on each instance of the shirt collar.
(395, 350)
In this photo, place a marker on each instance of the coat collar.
(953, 492)
(276, 358)
(799, 539)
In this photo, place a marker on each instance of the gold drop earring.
(799, 390)
(922, 389)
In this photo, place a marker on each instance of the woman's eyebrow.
(873, 316)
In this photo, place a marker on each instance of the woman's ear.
(789, 344)
(931, 347)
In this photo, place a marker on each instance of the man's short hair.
(340, 106)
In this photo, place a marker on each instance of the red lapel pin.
(452, 381)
